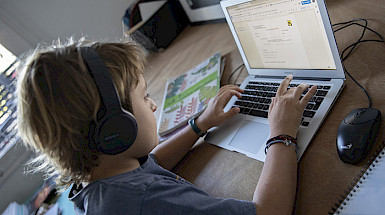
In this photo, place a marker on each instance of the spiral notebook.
(368, 195)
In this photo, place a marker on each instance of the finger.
(232, 112)
(284, 85)
(224, 97)
(226, 88)
(308, 96)
(271, 104)
(299, 90)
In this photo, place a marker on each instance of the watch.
(195, 128)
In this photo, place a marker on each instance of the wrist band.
(195, 128)
(285, 139)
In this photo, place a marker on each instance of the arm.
(171, 151)
(276, 189)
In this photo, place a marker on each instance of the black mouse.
(357, 133)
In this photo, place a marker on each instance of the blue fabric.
(150, 189)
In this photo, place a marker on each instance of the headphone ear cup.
(116, 133)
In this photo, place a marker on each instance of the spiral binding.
(356, 183)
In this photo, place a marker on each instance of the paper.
(369, 196)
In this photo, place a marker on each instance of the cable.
(354, 45)
(231, 75)
(367, 94)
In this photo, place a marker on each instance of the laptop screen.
(282, 34)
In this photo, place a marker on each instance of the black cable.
(231, 75)
(367, 94)
(362, 35)
(354, 45)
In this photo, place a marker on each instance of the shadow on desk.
(220, 173)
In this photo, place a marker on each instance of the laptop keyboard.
(257, 96)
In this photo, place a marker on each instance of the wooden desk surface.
(322, 176)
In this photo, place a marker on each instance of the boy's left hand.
(214, 115)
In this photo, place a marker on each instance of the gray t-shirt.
(151, 189)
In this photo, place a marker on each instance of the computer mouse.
(357, 134)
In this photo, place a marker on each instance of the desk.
(322, 176)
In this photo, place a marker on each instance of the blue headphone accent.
(116, 129)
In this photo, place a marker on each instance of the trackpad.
(251, 136)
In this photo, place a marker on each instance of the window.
(8, 128)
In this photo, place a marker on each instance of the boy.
(58, 100)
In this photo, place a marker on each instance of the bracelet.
(195, 128)
(285, 139)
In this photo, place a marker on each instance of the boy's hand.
(286, 108)
(214, 115)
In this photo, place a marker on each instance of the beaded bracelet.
(285, 139)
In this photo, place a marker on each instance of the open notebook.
(368, 196)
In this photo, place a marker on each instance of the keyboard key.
(319, 100)
(307, 113)
(304, 123)
(309, 106)
(244, 110)
(313, 99)
(326, 87)
(239, 103)
(321, 93)
(266, 107)
(258, 113)
(316, 106)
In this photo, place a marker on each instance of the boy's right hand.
(286, 108)
(214, 114)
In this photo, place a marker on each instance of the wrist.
(278, 133)
(285, 139)
(201, 124)
(195, 127)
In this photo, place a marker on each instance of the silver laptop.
(276, 38)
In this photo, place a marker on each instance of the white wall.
(25, 23)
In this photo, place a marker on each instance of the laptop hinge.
(295, 78)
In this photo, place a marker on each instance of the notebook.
(276, 38)
(368, 195)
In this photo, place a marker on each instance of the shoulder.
(119, 193)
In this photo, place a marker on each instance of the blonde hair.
(57, 100)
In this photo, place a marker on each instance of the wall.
(25, 23)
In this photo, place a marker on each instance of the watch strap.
(195, 128)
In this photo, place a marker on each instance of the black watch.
(195, 128)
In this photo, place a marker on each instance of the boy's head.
(58, 98)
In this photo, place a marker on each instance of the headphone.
(115, 129)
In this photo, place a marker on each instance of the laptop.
(276, 38)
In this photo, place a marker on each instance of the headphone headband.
(103, 80)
